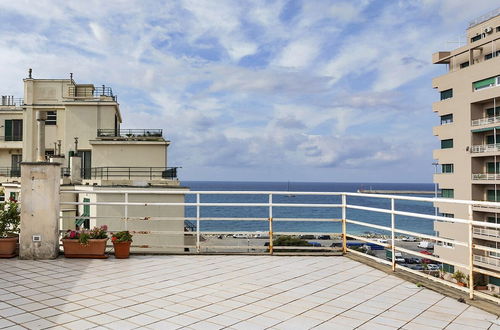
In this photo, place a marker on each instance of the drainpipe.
(41, 116)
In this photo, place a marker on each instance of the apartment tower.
(469, 134)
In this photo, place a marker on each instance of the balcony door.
(86, 156)
(15, 167)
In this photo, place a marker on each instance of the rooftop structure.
(469, 157)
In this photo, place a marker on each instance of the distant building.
(84, 120)
(469, 133)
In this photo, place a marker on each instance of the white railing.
(269, 203)
(487, 260)
(485, 148)
(487, 232)
(485, 121)
(485, 176)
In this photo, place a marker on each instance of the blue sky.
(255, 90)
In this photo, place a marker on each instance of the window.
(446, 168)
(51, 118)
(447, 119)
(475, 38)
(490, 139)
(448, 215)
(493, 220)
(13, 130)
(494, 280)
(447, 94)
(485, 83)
(446, 144)
(491, 168)
(464, 65)
(493, 112)
(447, 193)
(493, 195)
(448, 268)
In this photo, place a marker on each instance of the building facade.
(83, 123)
(469, 134)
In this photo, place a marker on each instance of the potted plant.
(459, 277)
(10, 220)
(86, 243)
(121, 243)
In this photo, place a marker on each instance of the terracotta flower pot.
(461, 284)
(8, 246)
(94, 249)
(122, 249)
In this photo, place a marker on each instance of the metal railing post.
(344, 227)
(198, 248)
(393, 243)
(471, 256)
(270, 224)
(126, 211)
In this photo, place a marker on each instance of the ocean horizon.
(424, 226)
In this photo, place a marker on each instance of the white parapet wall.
(40, 186)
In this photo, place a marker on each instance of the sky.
(285, 90)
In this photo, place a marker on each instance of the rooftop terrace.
(215, 292)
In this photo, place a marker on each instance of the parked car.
(324, 237)
(413, 260)
(416, 267)
(382, 240)
(426, 245)
(409, 239)
(316, 244)
(240, 236)
(433, 267)
(425, 260)
(307, 236)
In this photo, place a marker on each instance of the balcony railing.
(487, 260)
(486, 176)
(10, 172)
(7, 100)
(130, 134)
(485, 148)
(485, 121)
(487, 232)
(129, 173)
(88, 92)
(260, 218)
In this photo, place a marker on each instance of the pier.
(392, 192)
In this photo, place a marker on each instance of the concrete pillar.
(40, 209)
(41, 117)
(75, 167)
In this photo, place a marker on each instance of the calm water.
(407, 223)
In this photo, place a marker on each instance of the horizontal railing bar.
(486, 296)
(364, 239)
(364, 255)
(431, 257)
(485, 248)
(365, 224)
(430, 237)
(485, 272)
(203, 204)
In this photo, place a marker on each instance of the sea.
(424, 226)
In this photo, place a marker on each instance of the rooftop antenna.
(71, 76)
(29, 73)
(76, 144)
(460, 41)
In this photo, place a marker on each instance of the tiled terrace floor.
(212, 292)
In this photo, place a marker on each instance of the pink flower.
(72, 234)
(104, 227)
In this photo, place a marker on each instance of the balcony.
(91, 93)
(485, 121)
(487, 262)
(131, 173)
(130, 134)
(486, 177)
(486, 234)
(483, 148)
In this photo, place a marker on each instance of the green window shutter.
(491, 194)
(447, 193)
(8, 130)
(494, 280)
(448, 268)
(86, 208)
(484, 83)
